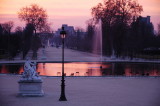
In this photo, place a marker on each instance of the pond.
(89, 69)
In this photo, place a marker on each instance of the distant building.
(69, 29)
(146, 25)
(73, 39)
(144, 19)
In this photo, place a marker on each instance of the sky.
(72, 12)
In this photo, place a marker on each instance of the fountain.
(97, 39)
(97, 42)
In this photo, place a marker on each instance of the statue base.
(30, 88)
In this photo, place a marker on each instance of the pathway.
(52, 54)
(86, 91)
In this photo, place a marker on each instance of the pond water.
(89, 69)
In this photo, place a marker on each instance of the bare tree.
(34, 15)
(18, 29)
(112, 10)
(46, 28)
(159, 29)
(7, 26)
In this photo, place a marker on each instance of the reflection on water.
(11, 68)
(89, 69)
(71, 69)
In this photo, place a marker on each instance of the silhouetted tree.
(1, 30)
(115, 14)
(89, 36)
(35, 45)
(6, 32)
(27, 37)
(78, 32)
(15, 44)
(46, 28)
(159, 29)
(10, 43)
(7, 26)
(3, 42)
(18, 29)
(34, 15)
(142, 35)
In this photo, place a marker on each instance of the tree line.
(23, 39)
(124, 33)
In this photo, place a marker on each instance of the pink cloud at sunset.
(71, 12)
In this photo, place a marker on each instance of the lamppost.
(63, 97)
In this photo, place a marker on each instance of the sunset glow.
(71, 69)
(71, 12)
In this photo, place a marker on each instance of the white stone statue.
(30, 84)
(30, 71)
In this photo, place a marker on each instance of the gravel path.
(86, 91)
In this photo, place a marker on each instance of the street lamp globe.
(63, 33)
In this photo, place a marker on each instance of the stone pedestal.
(30, 88)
